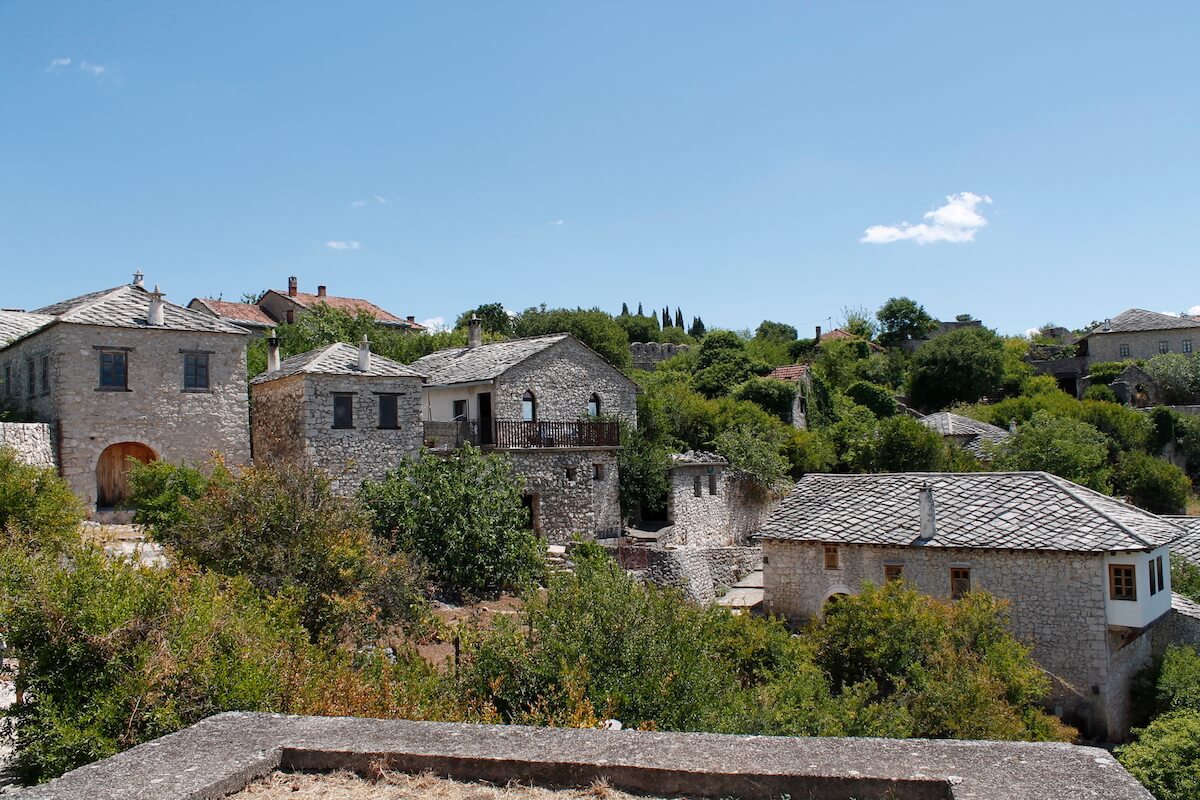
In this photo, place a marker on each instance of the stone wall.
(736, 512)
(30, 441)
(178, 426)
(647, 355)
(570, 498)
(1057, 605)
(1142, 344)
(701, 572)
(277, 420)
(563, 378)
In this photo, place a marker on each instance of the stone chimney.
(474, 331)
(364, 355)
(272, 352)
(154, 315)
(928, 512)
(320, 291)
(292, 289)
(817, 338)
(411, 319)
(138, 279)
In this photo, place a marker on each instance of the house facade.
(122, 373)
(551, 404)
(1086, 576)
(708, 506)
(340, 407)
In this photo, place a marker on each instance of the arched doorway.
(112, 471)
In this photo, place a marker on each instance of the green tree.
(37, 508)
(858, 321)
(595, 328)
(638, 328)
(873, 396)
(773, 396)
(1165, 756)
(904, 445)
(722, 364)
(642, 473)
(838, 360)
(1151, 483)
(697, 329)
(1177, 375)
(901, 319)
(494, 318)
(1060, 445)
(462, 514)
(961, 366)
(755, 454)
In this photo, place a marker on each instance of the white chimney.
(138, 278)
(474, 331)
(154, 316)
(928, 512)
(272, 352)
(364, 355)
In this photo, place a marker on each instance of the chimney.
(138, 279)
(272, 352)
(928, 512)
(411, 319)
(474, 331)
(320, 291)
(154, 316)
(818, 337)
(364, 355)
(292, 286)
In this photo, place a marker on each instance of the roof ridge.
(1070, 486)
(100, 297)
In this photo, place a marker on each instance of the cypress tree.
(678, 318)
(640, 314)
(666, 317)
(624, 310)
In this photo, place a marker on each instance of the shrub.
(37, 508)
(1105, 372)
(873, 396)
(904, 445)
(157, 489)
(642, 473)
(463, 515)
(1165, 756)
(774, 397)
(1178, 685)
(1100, 393)
(1177, 375)
(1060, 445)
(1151, 483)
(755, 454)
(961, 366)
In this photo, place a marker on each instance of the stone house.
(550, 403)
(708, 506)
(969, 434)
(343, 408)
(244, 315)
(1087, 576)
(801, 375)
(288, 306)
(122, 373)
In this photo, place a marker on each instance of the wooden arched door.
(112, 471)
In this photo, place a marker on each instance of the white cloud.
(340, 245)
(95, 69)
(1170, 313)
(58, 62)
(556, 222)
(378, 198)
(435, 324)
(956, 221)
(1194, 311)
(358, 204)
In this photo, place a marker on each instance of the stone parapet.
(30, 441)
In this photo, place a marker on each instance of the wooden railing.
(518, 434)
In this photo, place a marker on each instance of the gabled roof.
(842, 333)
(1005, 510)
(18, 324)
(950, 424)
(485, 362)
(338, 358)
(789, 372)
(351, 305)
(1187, 545)
(239, 313)
(1138, 319)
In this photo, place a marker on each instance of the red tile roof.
(789, 372)
(351, 305)
(842, 333)
(243, 312)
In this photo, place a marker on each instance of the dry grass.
(1193, 505)
(403, 786)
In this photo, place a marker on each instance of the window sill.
(112, 389)
(388, 428)
(341, 428)
(195, 391)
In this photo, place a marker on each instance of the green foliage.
(462, 514)
(37, 509)
(1105, 372)
(888, 369)
(1177, 375)
(754, 453)
(852, 436)
(494, 318)
(1165, 756)
(1185, 578)
(1060, 445)
(904, 445)
(838, 361)
(873, 396)
(1177, 687)
(774, 397)
(156, 490)
(1017, 369)
(1101, 393)
(1128, 428)
(722, 364)
(1151, 483)
(638, 328)
(595, 328)
(642, 473)
(900, 319)
(858, 321)
(771, 343)
(283, 529)
(961, 366)
(10, 412)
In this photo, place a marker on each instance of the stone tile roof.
(1138, 319)
(18, 324)
(789, 372)
(696, 457)
(245, 313)
(1187, 545)
(338, 358)
(351, 305)
(126, 307)
(950, 424)
(485, 362)
(1006, 510)
(1185, 606)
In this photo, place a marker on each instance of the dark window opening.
(892, 572)
(114, 369)
(1164, 347)
(1124, 351)
(29, 376)
(831, 556)
(528, 407)
(389, 411)
(697, 486)
(572, 474)
(597, 472)
(45, 374)
(195, 372)
(343, 411)
(712, 481)
(960, 582)
(1153, 581)
(460, 410)
(594, 405)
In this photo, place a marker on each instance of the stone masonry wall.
(737, 511)
(563, 378)
(1142, 344)
(647, 355)
(701, 571)
(179, 426)
(277, 420)
(583, 505)
(30, 441)
(1057, 604)
(366, 451)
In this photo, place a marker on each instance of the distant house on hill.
(969, 434)
(245, 315)
(801, 375)
(279, 307)
(1087, 576)
(912, 345)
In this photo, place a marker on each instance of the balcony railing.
(519, 434)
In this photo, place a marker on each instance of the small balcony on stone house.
(503, 434)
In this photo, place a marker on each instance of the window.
(195, 372)
(572, 474)
(1122, 582)
(1187, 346)
(1153, 579)
(45, 374)
(460, 410)
(892, 572)
(30, 376)
(389, 411)
(831, 556)
(1164, 347)
(1124, 351)
(343, 411)
(114, 369)
(697, 486)
(528, 407)
(712, 481)
(1159, 569)
(8, 380)
(594, 405)
(597, 472)
(960, 581)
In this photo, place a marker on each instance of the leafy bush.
(904, 445)
(961, 366)
(37, 508)
(1151, 483)
(1060, 445)
(1177, 375)
(1178, 684)
(1105, 372)
(752, 455)
(157, 488)
(642, 473)
(774, 397)
(1165, 756)
(1100, 392)
(873, 396)
(462, 514)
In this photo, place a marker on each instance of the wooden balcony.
(521, 435)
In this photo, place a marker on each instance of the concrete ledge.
(223, 753)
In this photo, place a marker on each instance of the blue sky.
(728, 158)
